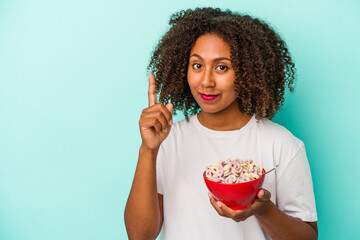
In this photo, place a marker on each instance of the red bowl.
(235, 195)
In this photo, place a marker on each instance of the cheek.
(234, 92)
(227, 85)
(231, 94)
(231, 84)
(191, 79)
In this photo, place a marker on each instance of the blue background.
(73, 84)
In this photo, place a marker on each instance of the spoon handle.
(271, 170)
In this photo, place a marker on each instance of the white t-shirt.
(190, 147)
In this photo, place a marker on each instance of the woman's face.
(210, 74)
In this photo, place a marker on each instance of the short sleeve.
(159, 170)
(295, 194)
(165, 154)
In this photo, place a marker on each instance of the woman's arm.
(282, 226)
(276, 223)
(143, 211)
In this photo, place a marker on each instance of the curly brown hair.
(260, 58)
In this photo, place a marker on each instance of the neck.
(229, 119)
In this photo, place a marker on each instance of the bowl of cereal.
(235, 182)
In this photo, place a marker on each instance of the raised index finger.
(152, 90)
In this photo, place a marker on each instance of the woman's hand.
(156, 120)
(259, 204)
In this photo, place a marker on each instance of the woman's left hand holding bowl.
(259, 205)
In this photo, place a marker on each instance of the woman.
(227, 72)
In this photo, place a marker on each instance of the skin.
(145, 206)
(209, 72)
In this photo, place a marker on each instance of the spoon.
(270, 170)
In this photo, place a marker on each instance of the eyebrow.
(216, 59)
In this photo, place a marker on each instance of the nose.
(208, 80)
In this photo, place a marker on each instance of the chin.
(210, 110)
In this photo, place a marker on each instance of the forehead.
(211, 45)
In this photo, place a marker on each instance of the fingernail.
(209, 195)
(165, 129)
(171, 122)
(219, 204)
(262, 193)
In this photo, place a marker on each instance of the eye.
(197, 66)
(222, 68)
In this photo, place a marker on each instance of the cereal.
(233, 170)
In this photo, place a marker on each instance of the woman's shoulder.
(278, 133)
(184, 124)
(179, 129)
